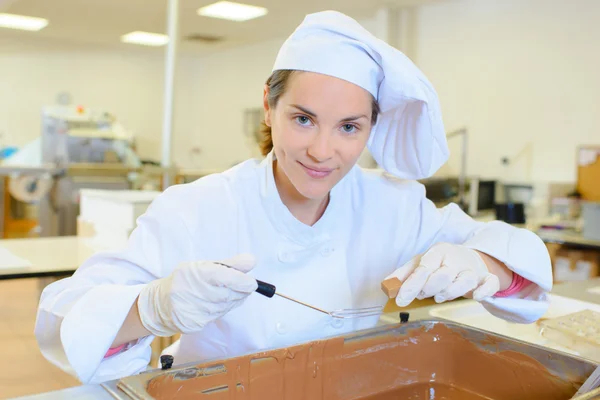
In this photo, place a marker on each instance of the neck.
(305, 210)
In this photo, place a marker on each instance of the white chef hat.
(408, 140)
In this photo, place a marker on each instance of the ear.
(266, 106)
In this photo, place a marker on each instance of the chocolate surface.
(427, 391)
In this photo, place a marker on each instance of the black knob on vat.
(404, 316)
(166, 361)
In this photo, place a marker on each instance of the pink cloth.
(518, 283)
(113, 351)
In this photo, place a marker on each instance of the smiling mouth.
(316, 173)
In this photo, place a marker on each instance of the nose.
(321, 148)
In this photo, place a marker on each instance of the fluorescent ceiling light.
(22, 22)
(232, 11)
(145, 38)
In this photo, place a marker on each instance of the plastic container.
(578, 331)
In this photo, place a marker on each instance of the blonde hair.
(277, 84)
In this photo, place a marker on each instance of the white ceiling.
(102, 22)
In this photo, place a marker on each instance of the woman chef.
(305, 219)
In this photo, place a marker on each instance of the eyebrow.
(304, 110)
(314, 115)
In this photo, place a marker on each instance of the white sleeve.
(79, 317)
(522, 251)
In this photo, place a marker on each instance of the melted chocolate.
(423, 364)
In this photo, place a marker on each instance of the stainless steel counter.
(580, 290)
(567, 237)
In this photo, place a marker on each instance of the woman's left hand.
(445, 272)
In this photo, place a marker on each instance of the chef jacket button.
(326, 251)
(284, 256)
(337, 323)
(281, 328)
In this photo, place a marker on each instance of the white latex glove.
(195, 294)
(445, 272)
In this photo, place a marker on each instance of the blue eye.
(303, 120)
(349, 128)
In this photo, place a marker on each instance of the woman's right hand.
(195, 294)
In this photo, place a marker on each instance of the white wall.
(129, 85)
(211, 95)
(224, 85)
(522, 75)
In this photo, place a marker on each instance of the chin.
(314, 190)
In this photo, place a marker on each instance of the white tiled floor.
(23, 369)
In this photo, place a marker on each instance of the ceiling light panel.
(232, 11)
(12, 21)
(145, 38)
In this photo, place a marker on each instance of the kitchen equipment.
(579, 331)
(418, 359)
(512, 213)
(590, 388)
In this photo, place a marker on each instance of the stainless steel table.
(567, 237)
(580, 290)
(55, 257)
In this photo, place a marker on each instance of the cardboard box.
(553, 249)
(575, 265)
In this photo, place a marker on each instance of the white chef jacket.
(372, 225)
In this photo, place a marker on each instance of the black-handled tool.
(268, 290)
